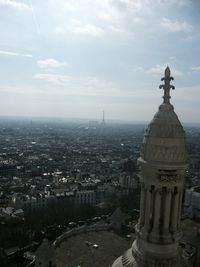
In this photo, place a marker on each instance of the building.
(163, 164)
(85, 197)
(32, 203)
(128, 181)
(192, 202)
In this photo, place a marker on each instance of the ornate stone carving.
(167, 178)
(167, 86)
(164, 153)
(170, 131)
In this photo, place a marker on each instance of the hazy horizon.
(91, 121)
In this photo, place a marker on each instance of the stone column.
(175, 206)
(179, 208)
(148, 207)
(142, 206)
(167, 209)
(157, 207)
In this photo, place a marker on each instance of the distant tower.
(103, 119)
(163, 164)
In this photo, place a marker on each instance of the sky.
(76, 58)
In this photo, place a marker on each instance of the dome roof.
(126, 260)
(165, 124)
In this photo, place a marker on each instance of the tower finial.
(167, 86)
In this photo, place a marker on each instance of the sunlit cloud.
(9, 53)
(50, 63)
(176, 2)
(135, 5)
(99, 16)
(88, 29)
(15, 4)
(175, 25)
(196, 68)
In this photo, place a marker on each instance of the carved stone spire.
(167, 86)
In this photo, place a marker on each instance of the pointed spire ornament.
(167, 86)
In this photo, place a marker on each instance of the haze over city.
(75, 59)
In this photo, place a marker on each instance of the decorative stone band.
(166, 131)
(171, 259)
(171, 178)
(164, 153)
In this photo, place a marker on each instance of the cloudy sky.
(76, 58)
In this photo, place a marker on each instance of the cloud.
(137, 68)
(159, 70)
(135, 5)
(196, 68)
(104, 16)
(9, 53)
(89, 29)
(50, 63)
(175, 25)
(57, 84)
(34, 17)
(175, 2)
(52, 78)
(77, 85)
(188, 95)
(15, 4)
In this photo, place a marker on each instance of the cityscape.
(58, 176)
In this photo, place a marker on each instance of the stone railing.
(31, 264)
(79, 230)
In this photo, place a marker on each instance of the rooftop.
(191, 232)
(80, 250)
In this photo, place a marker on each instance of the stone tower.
(163, 164)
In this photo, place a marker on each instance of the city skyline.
(75, 59)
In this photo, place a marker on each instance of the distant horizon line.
(76, 119)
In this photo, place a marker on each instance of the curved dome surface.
(164, 138)
(126, 260)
